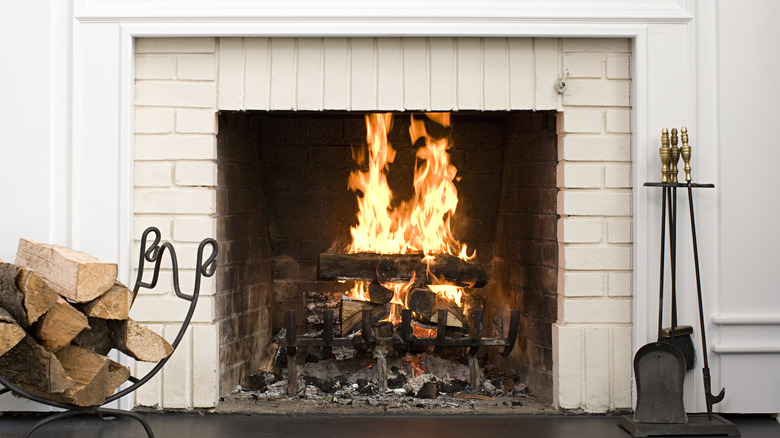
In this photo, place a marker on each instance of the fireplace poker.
(674, 154)
(711, 399)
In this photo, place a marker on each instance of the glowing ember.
(420, 225)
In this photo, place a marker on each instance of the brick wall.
(178, 94)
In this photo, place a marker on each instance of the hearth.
(284, 201)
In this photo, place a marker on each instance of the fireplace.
(578, 308)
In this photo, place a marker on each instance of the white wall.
(34, 44)
(749, 58)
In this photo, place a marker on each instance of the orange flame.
(421, 225)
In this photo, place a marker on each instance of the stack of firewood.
(61, 312)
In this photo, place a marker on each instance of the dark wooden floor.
(193, 425)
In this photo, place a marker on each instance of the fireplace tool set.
(152, 254)
(659, 367)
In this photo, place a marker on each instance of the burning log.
(379, 294)
(352, 313)
(421, 301)
(72, 274)
(455, 316)
(400, 268)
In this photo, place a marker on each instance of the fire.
(420, 225)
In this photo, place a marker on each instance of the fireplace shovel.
(659, 367)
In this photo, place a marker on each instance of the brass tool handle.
(665, 155)
(675, 152)
(686, 152)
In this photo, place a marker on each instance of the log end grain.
(38, 296)
(114, 304)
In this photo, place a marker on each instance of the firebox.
(290, 192)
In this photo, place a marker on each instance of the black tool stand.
(154, 254)
(696, 424)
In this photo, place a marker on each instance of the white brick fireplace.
(150, 120)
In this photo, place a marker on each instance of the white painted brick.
(162, 223)
(257, 74)
(177, 372)
(577, 230)
(596, 203)
(153, 120)
(196, 121)
(170, 309)
(619, 121)
(309, 74)
(196, 68)
(469, 73)
(583, 284)
(231, 74)
(568, 364)
(176, 94)
(621, 367)
(547, 73)
(597, 369)
(152, 174)
(617, 175)
(596, 147)
(595, 45)
(582, 175)
(390, 81)
(583, 120)
(363, 74)
(521, 69)
(175, 201)
(619, 284)
(155, 67)
(619, 231)
(618, 67)
(496, 82)
(150, 393)
(175, 45)
(584, 65)
(416, 90)
(163, 288)
(196, 173)
(442, 67)
(597, 310)
(586, 92)
(205, 367)
(336, 73)
(193, 229)
(175, 147)
(597, 258)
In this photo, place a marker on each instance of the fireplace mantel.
(100, 153)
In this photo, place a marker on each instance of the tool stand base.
(698, 424)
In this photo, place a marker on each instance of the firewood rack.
(405, 340)
(154, 254)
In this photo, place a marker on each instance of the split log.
(11, 298)
(34, 369)
(138, 342)
(72, 274)
(96, 337)
(401, 268)
(421, 300)
(11, 333)
(24, 294)
(352, 313)
(384, 329)
(379, 294)
(268, 358)
(90, 372)
(38, 296)
(114, 304)
(455, 316)
(117, 375)
(59, 325)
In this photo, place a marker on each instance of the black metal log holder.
(154, 254)
(404, 341)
